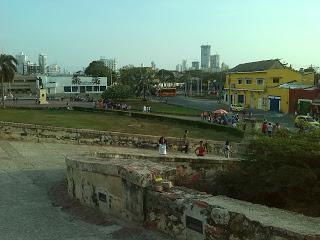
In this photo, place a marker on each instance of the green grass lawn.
(159, 107)
(109, 122)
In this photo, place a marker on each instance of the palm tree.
(76, 79)
(144, 83)
(7, 69)
(95, 81)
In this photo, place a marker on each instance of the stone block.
(220, 216)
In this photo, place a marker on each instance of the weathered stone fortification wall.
(123, 187)
(185, 214)
(32, 132)
(116, 187)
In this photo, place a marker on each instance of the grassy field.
(160, 107)
(109, 122)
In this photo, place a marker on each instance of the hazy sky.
(74, 32)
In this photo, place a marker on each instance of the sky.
(72, 33)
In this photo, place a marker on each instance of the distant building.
(33, 69)
(184, 66)
(178, 68)
(195, 65)
(110, 63)
(153, 65)
(43, 63)
(21, 63)
(63, 85)
(53, 69)
(22, 85)
(205, 56)
(215, 63)
(224, 67)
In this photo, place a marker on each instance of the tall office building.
(205, 56)
(215, 63)
(110, 63)
(184, 66)
(43, 63)
(178, 67)
(21, 63)
(195, 65)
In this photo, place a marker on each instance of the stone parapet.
(35, 132)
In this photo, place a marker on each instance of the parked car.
(236, 108)
(306, 122)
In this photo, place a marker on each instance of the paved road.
(27, 170)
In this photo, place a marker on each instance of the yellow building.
(250, 84)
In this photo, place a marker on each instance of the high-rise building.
(153, 65)
(21, 63)
(53, 69)
(205, 56)
(178, 68)
(110, 63)
(43, 63)
(184, 66)
(195, 65)
(215, 63)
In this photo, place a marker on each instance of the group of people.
(268, 128)
(199, 151)
(221, 119)
(146, 109)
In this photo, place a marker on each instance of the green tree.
(95, 80)
(116, 92)
(76, 79)
(144, 83)
(7, 70)
(165, 76)
(98, 69)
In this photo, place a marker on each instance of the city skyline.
(136, 32)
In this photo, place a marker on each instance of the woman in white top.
(162, 146)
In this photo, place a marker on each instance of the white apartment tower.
(205, 56)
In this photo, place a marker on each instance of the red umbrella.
(220, 112)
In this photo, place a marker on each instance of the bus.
(166, 92)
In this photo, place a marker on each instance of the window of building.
(241, 99)
(260, 81)
(96, 88)
(239, 80)
(67, 89)
(102, 88)
(88, 88)
(276, 80)
(233, 85)
(74, 89)
(248, 80)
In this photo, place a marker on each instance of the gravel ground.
(27, 172)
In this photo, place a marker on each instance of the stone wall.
(35, 132)
(185, 214)
(116, 187)
(125, 188)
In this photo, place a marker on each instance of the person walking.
(162, 146)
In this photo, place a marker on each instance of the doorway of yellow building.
(274, 103)
(260, 103)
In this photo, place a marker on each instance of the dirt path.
(27, 171)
